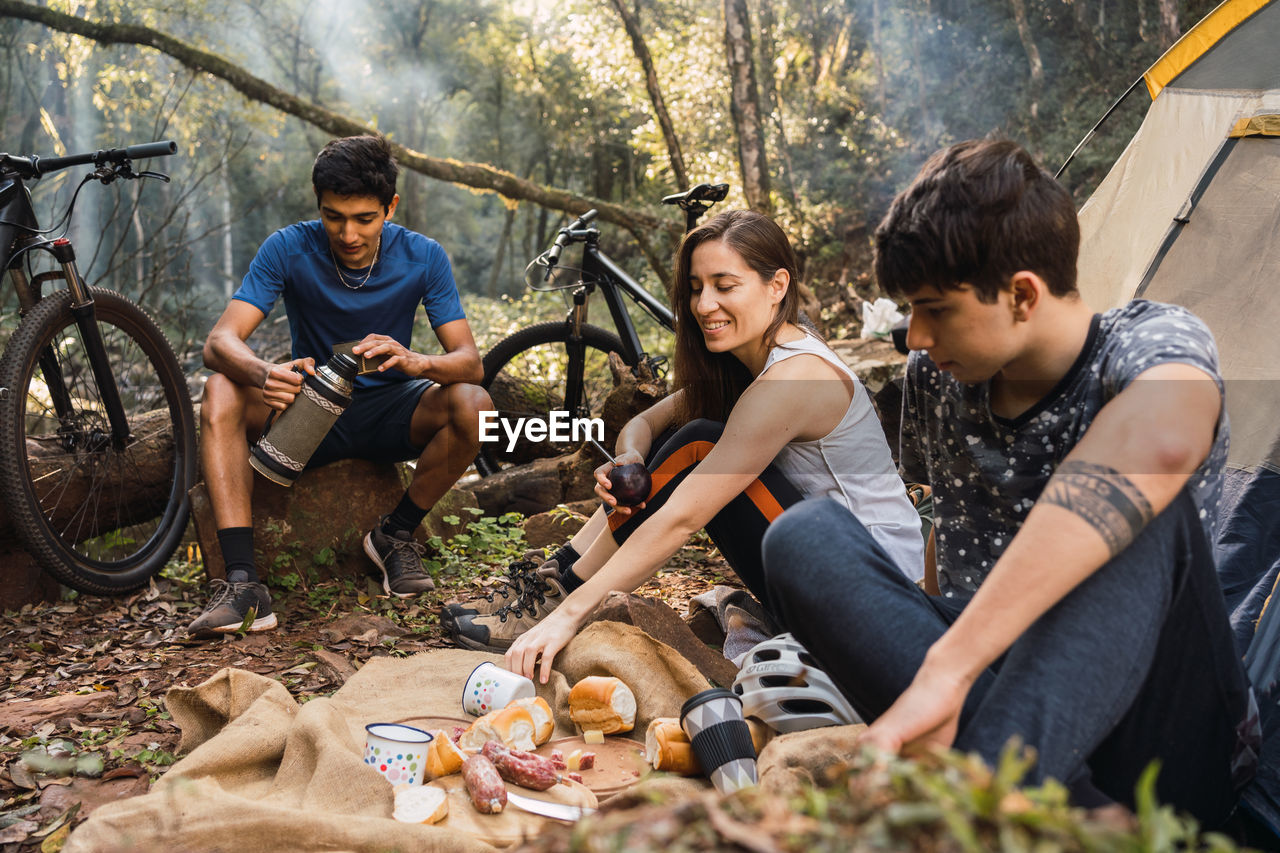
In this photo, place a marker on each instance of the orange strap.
(688, 456)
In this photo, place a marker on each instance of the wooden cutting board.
(619, 762)
(429, 724)
(511, 825)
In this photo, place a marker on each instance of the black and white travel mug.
(720, 738)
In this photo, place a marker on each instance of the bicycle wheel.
(99, 519)
(526, 375)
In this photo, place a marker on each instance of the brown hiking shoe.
(496, 631)
(520, 575)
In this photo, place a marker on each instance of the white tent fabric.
(1124, 222)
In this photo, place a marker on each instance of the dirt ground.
(82, 717)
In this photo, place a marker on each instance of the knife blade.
(559, 811)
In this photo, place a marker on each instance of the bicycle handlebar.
(36, 166)
(562, 240)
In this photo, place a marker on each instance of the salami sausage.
(484, 785)
(521, 768)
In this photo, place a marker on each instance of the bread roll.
(544, 723)
(667, 747)
(443, 756)
(512, 727)
(420, 804)
(603, 702)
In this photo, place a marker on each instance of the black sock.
(570, 581)
(565, 557)
(237, 554)
(406, 516)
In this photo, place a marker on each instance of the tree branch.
(474, 175)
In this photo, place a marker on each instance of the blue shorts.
(374, 426)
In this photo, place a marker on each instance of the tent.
(1190, 214)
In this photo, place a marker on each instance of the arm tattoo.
(1102, 496)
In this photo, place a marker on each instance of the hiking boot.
(520, 574)
(399, 558)
(229, 606)
(496, 631)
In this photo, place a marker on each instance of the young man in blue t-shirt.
(352, 275)
(1076, 461)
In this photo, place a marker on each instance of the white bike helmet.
(782, 686)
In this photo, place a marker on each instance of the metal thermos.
(288, 442)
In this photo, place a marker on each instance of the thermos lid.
(343, 365)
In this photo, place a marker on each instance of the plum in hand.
(629, 484)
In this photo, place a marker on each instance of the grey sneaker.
(496, 631)
(229, 605)
(520, 574)
(399, 558)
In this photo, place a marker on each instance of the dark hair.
(713, 382)
(356, 166)
(977, 213)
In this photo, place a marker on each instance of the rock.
(361, 626)
(702, 622)
(552, 528)
(529, 489)
(334, 666)
(585, 508)
(317, 526)
(455, 502)
(91, 793)
(663, 624)
(17, 716)
(873, 360)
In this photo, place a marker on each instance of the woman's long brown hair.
(713, 382)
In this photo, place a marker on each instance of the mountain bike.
(97, 432)
(563, 366)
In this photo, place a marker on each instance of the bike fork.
(577, 350)
(95, 349)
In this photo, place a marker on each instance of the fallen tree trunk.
(69, 482)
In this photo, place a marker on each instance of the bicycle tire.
(100, 520)
(525, 374)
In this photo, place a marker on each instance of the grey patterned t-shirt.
(988, 471)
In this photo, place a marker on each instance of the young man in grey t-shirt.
(1076, 461)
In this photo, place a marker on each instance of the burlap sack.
(267, 774)
(792, 763)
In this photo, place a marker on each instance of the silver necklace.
(342, 276)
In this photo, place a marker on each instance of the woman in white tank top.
(765, 415)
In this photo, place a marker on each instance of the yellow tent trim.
(1256, 126)
(1197, 41)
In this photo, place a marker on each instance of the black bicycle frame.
(600, 271)
(18, 235)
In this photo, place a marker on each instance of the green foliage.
(942, 800)
(488, 542)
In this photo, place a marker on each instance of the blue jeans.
(1135, 664)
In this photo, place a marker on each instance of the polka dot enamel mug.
(396, 751)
